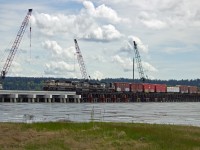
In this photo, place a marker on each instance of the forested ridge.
(32, 83)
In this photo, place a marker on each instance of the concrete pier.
(15, 96)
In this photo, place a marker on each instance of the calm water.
(160, 113)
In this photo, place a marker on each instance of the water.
(159, 113)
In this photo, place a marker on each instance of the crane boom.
(139, 63)
(15, 45)
(81, 61)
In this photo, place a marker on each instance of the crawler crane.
(139, 63)
(81, 62)
(15, 45)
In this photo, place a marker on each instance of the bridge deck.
(38, 96)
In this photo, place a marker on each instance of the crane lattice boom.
(15, 45)
(139, 63)
(81, 61)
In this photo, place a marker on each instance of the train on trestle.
(86, 86)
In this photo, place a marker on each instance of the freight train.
(78, 86)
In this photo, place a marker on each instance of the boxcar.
(192, 89)
(173, 89)
(160, 88)
(136, 87)
(121, 87)
(183, 88)
(148, 88)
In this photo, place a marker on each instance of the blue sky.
(167, 33)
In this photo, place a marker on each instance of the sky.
(167, 33)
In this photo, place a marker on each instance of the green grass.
(93, 135)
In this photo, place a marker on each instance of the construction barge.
(138, 97)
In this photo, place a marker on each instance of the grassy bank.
(111, 136)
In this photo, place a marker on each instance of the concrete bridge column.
(63, 98)
(78, 100)
(14, 100)
(78, 97)
(66, 99)
(31, 98)
(75, 100)
(20, 100)
(49, 100)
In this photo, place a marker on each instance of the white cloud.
(57, 52)
(62, 24)
(61, 61)
(86, 21)
(163, 14)
(151, 20)
(154, 24)
(103, 11)
(53, 46)
(174, 50)
(125, 63)
(98, 58)
(104, 33)
(16, 69)
(148, 67)
(97, 75)
(127, 47)
(118, 59)
(58, 68)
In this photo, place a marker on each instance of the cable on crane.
(30, 35)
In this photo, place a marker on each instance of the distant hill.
(31, 83)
